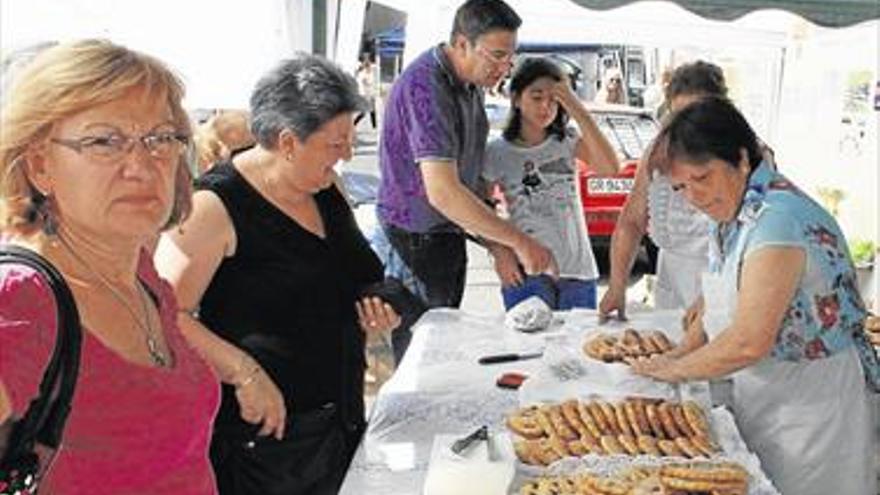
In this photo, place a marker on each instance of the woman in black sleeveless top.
(274, 261)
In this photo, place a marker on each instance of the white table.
(440, 388)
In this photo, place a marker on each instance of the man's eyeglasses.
(161, 145)
(499, 57)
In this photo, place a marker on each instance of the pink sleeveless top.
(133, 429)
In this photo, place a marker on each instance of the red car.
(629, 130)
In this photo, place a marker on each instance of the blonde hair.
(62, 81)
(225, 132)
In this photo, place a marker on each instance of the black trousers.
(438, 262)
(311, 459)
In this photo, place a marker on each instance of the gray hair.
(301, 94)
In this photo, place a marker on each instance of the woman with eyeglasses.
(93, 163)
(275, 264)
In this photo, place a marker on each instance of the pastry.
(633, 420)
(569, 411)
(599, 417)
(610, 416)
(669, 448)
(631, 343)
(654, 420)
(704, 445)
(648, 345)
(695, 418)
(641, 417)
(587, 420)
(688, 448)
(609, 486)
(560, 425)
(577, 448)
(702, 486)
(667, 421)
(622, 421)
(612, 445)
(661, 341)
(722, 472)
(629, 444)
(648, 445)
(592, 445)
(680, 422)
(524, 423)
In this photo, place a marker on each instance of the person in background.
(93, 161)
(368, 85)
(223, 135)
(679, 229)
(613, 90)
(534, 165)
(431, 155)
(272, 263)
(783, 315)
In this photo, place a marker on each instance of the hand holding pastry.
(660, 367)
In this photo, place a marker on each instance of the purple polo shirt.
(432, 115)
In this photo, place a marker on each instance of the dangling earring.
(42, 212)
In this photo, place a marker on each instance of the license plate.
(609, 185)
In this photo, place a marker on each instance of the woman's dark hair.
(710, 128)
(702, 78)
(301, 94)
(477, 17)
(526, 72)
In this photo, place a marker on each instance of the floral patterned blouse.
(827, 312)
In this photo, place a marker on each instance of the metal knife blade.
(513, 356)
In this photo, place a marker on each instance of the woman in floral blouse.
(780, 308)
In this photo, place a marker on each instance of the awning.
(829, 13)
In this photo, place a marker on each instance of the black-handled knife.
(504, 358)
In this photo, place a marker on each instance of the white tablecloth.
(440, 388)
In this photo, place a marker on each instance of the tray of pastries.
(721, 478)
(631, 344)
(872, 329)
(635, 426)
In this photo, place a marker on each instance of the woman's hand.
(660, 366)
(507, 266)
(259, 399)
(376, 316)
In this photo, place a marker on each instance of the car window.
(628, 134)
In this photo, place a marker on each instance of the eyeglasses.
(161, 145)
(499, 57)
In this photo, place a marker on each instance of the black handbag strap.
(47, 413)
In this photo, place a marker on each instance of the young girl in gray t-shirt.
(534, 166)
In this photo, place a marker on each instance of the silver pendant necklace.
(157, 356)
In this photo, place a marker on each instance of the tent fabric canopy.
(828, 13)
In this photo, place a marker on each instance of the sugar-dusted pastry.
(592, 445)
(631, 343)
(721, 472)
(689, 485)
(523, 423)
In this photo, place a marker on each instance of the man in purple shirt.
(431, 156)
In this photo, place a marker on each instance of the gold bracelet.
(251, 373)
